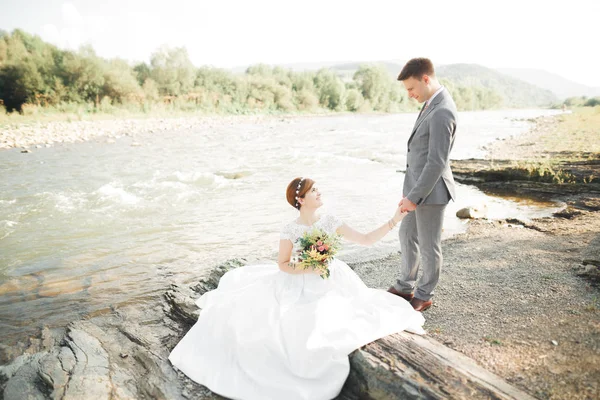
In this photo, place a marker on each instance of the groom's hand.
(407, 206)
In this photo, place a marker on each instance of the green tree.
(120, 83)
(142, 72)
(331, 89)
(173, 71)
(306, 100)
(354, 100)
(19, 83)
(592, 102)
(374, 83)
(83, 73)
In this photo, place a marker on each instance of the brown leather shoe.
(420, 305)
(405, 296)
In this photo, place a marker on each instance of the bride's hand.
(399, 215)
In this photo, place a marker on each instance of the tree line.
(38, 74)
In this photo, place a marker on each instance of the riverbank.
(36, 134)
(558, 159)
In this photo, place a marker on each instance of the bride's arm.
(283, 259)
(367, 239)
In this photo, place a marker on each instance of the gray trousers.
(421, 243)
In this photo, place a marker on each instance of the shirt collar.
(433, 96)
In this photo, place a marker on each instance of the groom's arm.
(441, 129)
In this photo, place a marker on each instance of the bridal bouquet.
(315, 249)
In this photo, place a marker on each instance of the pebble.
(39, 134)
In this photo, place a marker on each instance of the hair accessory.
(297, 192)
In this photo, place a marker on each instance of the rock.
(406, 366)
(61, 287)
(472, 212)
(182, 300)
(554, 342)
(182, 304)
(51, 372)
(568, 213)
(234, 175)
(24, 383)
(210, 280)
(90, 376)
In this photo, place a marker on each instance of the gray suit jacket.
(428, 177)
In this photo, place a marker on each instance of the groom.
(428, 183)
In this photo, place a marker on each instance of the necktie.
(423, 109)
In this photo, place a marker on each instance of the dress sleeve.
(287, 233)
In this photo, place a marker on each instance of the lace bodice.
(294, 230)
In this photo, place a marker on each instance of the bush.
(354, 100)
(306, 100)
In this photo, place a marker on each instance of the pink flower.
(321, 248)
(319, 243)
(326, 247)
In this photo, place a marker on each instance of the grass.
(565, 152)
(593, 306)
(33, 114)
(575, 137)
(492, 341)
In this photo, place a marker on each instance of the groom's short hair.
(416, 68)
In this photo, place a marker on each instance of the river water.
(89, 226)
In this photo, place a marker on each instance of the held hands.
(399, 215)
(406, 205)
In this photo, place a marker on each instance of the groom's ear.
(425, 79)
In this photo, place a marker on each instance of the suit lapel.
(425, 113)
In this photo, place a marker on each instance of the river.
(89, 226)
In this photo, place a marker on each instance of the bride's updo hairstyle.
(297, 189)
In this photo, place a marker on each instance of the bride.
(279, 332)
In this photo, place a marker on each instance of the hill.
(560, 86)
(515, 92)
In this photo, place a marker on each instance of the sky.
(555, 36)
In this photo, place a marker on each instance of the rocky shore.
(46, 134)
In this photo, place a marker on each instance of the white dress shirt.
(433, 96)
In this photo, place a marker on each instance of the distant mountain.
(515, 92)
(393, 67)
(560, 86)
(300, 66)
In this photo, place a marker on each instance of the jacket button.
(406, 165)
(409, 150)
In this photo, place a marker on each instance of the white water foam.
(117, 194)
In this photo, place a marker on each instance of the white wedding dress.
(266, 334)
